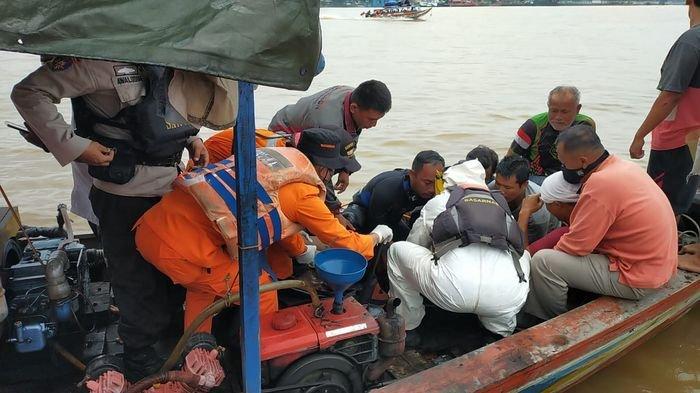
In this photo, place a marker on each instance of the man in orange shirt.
(622, 240)
(190, 235)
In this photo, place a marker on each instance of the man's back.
(324, 109)
(386, 198)
(621, 213)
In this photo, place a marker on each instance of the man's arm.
(380, 209)
(36, 96)
(660, 109)
(523, 140)
(420, 232)
(301, 204)
(677, 72)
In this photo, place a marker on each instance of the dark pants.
(140, 291)
(670, 169)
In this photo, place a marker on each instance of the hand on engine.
(384, 234)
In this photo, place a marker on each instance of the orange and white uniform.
(191, 234)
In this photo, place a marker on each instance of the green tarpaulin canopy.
(269, 42)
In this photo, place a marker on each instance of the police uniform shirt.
(107, 87)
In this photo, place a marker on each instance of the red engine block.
(290, 333)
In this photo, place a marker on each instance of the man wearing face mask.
(622, 239)
(197, 247)
(535, 139)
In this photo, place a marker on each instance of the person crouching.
(484, 275)
(190, 235)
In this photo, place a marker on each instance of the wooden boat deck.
(559, 353)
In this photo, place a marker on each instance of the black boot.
(140, 363)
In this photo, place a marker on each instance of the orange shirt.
(622, 214)
(184, 227)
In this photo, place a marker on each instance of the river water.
(464, 76)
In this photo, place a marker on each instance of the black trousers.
(669, 169)
(140, 290)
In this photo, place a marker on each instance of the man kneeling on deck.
(622, 240)
(190, 235)
(463, 254)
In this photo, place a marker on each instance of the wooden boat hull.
(563, 351)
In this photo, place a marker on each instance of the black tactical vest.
(477, 216)
(154, 141)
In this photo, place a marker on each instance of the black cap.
(323, 147)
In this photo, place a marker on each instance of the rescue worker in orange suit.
(219, 146)
(195, 246)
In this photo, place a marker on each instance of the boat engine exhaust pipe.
(392, 339)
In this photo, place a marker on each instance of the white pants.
(475, 279)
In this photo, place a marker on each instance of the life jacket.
(154, 140)
(477, 216)
(214, 189)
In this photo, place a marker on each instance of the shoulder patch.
(60, 63)
(123, 70)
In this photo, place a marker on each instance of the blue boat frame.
(248, 254)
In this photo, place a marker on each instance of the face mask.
(574, 176)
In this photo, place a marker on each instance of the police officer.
(463, 254)
(132, 139)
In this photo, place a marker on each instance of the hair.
(426, 157)
(486, 156)
(567, 90)
(580, 138)
(372, 94)
(514, 166)
(696, 3)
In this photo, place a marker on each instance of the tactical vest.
(154, 141)
(214, 189)
(477, 216)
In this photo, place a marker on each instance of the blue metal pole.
(246, 203)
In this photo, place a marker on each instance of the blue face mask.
(575, 176)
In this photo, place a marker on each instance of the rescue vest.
(154, 140)
(214, 189)
(477, 216)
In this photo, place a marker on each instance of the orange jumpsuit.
(279, 254)
(178, 238)
(219, 145)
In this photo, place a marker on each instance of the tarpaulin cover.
(268, 42)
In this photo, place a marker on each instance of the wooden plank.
(537, 354)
